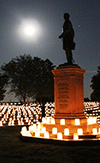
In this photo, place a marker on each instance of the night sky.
(46, 18)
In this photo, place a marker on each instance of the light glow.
(91, 120)
(46, 134)
(54, 130)
(94, 131)
(52, 121)
(43, 129)
(75, 136)
(80, 131)
(30, 29)
(37, 134)
(66, 131)
(99, 130)
(62, 122)
(59, 135)
(77, 121)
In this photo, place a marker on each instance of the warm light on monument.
(31, 128)
(91, 120)
(38, 126)
(66, 131)
(80, 131)
(54, 130)
(75, 136)
(94, 131)
(48, 120)
(99, 130)
(37, 134)
(62, 122)
(24, 131)
(43, 129)
(1, 123)
(52, 121)
(59, 135)
(44, 120)
(46, 134)
(77, 121)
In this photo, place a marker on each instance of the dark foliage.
(86, 99)
(30, 77)
(95, 96)
(3, 81)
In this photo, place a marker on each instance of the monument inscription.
(62, 93)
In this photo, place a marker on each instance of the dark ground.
(14, 150)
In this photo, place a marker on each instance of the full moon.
(30, 30)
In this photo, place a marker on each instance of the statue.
(68, 36)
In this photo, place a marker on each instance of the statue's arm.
(64, 34)
(61, 36)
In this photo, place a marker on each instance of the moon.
(30, 30)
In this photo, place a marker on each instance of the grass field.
(14, 150)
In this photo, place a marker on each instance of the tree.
(44, 83)
(29, 77)
(86, 99)
(3, 81)
(95, 95)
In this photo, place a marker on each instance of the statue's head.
(66, 16)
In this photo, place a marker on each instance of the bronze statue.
(68, 36)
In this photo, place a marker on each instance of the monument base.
(69, 116)
(66, 65)
(68, 88)
(63, 130)
(73, 125)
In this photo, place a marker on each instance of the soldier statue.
(67, 37)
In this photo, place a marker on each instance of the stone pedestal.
(69, 93)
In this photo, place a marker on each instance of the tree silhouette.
(30, 77)
(95, 95)
(3, 81)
